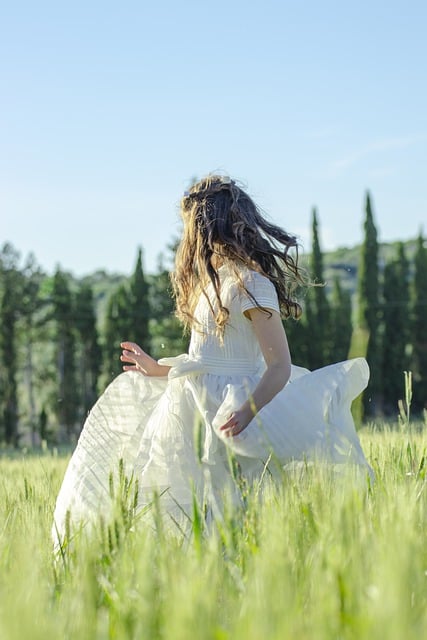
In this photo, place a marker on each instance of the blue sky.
(108, 109)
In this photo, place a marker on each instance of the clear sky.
(107, 109)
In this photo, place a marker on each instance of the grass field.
(317, 555)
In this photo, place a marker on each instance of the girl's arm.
(141, 361)
(274, 346)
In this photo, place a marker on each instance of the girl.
(174, 422)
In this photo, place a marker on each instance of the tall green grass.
(318, 554)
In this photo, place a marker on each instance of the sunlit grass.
(319, 554)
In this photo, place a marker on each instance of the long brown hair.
(221, 221)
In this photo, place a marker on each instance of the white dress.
(166, 430)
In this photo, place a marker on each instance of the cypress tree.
(9, 311)
(117, 328)
(419, 326)
(139, 306)
(67, 400)
(341, 322)
(89, 352)
(317, 307)
(395, 336)
(166, 332)
(31, 306)
(298, 337)
(127, 318)
(369, 306)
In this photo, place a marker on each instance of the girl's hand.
(237, 422)
(140, 361)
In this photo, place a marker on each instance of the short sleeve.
(262, 290)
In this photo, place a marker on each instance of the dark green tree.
(117, 328)
(341, 325)
(10, 293)
(419, 326)
(89, 355)
(298, 338)
(67, 399)
(396, 324)
(167, 337)
(317, 307)
(31, 307)
(369, 309)
(139, 306)
(127, 318)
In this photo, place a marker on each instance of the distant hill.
(344, 262)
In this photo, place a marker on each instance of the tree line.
(384, 319)
(59, 349)
(57, 352)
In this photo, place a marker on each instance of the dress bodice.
(239, 350)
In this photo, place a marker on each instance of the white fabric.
(166, 430)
